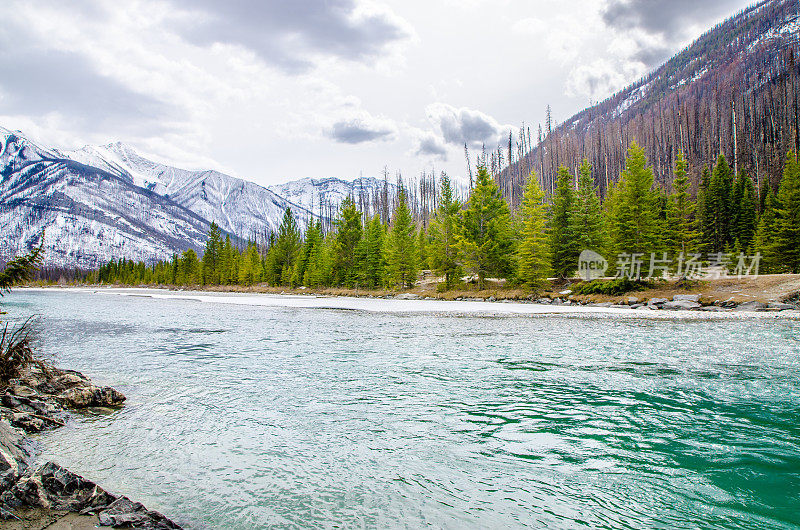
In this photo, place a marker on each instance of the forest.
(482, 237)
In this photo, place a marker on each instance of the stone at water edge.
(91, 396)
(681, 304)
(687, 297)
(753, 305)
(781, 306)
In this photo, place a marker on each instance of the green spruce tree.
(635, 226)
(587, 217)
(563, 243)
(401, 254)
(349, 232)
(443, 230)
(533, 259)
(787, 235)
(485, 240)
(681, 233)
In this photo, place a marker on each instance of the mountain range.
(104, 202)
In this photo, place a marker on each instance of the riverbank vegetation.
(481, 237)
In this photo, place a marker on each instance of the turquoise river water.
(253, 416)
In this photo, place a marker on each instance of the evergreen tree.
(348, 234)
(705, 217)
(401, 254)
(443, 230)
(189, 268)
(717, 207)
(787, 234)
(373, 261)
(422, 248)
(211, 255)
(313, 237)
(563, 243)
(681, 233)
(764, 241)
(743, 207)
(587, 217)
(250, 266)
(283, 253)
(533, 259)
(635, 227)
(485, 240)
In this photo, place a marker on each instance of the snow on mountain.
(236, 205)
(315, 195)
(89, 215)
(102, 202)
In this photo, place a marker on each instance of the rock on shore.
(37, 401)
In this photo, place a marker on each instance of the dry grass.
(17, 349)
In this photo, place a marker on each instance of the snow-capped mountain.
(102, 202)
(238, 206)
(90, 215)
(314, 194)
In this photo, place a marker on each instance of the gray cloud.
(431, 145)
(357, 131)
(37, 81)
(463, 125)
(285, 33)
(668, 20)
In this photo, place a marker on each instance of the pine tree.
(485, 240)
(284, 251)
(211, 255)
(533, 259)
(422, 248)
(681, 233)
(764, 241)
(563, 244)
(313, 237)
(587, 217)
(348, 234)
(401, 256)
(787, 234)
(705, 217)
(189, 268)
(443, 230)
(250, 266)
(635, 227)
(717, 208)
(743, 206)
(372, 272)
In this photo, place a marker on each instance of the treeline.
(483, 238)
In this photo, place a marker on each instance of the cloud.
(291, 34)
(658, 27)
(360, 130)
(464, 125)
(596, 80)
(428, 144)
(41, 81)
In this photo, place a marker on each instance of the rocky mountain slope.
(104, 202)
(733, 91)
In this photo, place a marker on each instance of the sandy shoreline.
(418, 306)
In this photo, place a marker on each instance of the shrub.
(611, 287)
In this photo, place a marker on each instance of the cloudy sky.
(275, 90)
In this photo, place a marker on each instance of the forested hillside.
(733, 91)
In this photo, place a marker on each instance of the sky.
(276, 90)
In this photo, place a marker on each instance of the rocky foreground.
(40, 497)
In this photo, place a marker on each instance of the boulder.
(632, 300)
(91, 396)
(712, 308)
(753, 305)
(52, 486)
(124, 513)
(688, 297)
(780, 306)
(681, 304)
(657, 301)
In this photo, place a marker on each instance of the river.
(244, 415)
